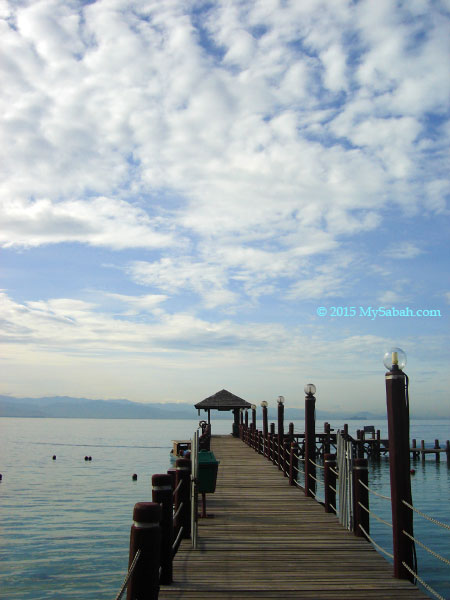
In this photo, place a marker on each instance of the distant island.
(86, 408)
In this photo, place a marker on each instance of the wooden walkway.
(266, 539)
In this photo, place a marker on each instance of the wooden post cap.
(147, 512)
(183, 464)
(162, 480)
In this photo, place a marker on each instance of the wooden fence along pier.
(265, 534)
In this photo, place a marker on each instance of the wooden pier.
(266, 539)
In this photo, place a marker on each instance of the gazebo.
(224, 400)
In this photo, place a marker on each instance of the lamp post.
(310, 439)
(280, 401)
(397, 402)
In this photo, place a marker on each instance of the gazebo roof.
(223, 400)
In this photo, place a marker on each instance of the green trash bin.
(207, 472)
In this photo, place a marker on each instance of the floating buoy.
(1, 476)
(134, 477)
(413, 471)
(86, 458)
(54, 457)
(90, 458)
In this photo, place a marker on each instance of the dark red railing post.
(286, 454)
(162, 493)
(280, 431)
(399, 463)
(360, 496)
(310, 440)
(447, 451)
(183, 495)
(436, 447)
(329, 479)
(265, 426)
(145, 536)
(293, 463)
(273, 457)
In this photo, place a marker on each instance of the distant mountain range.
(86, 408)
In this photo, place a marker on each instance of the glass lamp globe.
(280, 399)
(395, 357)
(253, 406)
(264, 404)
(310, 389)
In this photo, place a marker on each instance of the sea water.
(65, 523)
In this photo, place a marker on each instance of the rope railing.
(128, 575)
(372, 514)
(373, 542)
(177, 541)
(178, 487)
(179, 509)
(374, 492)
(335, 472)
(425, 516)
(425, 585)
(316, 465)
(316, 480)
(422, 545)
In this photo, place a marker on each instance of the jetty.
(266, 530)
(265, 539)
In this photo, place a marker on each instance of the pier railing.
(343, 481)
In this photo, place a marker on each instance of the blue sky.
(183, 184)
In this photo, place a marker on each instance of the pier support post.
(293, 463)
(286, 457)
(447, 451)
(397, 402)
(265, 427)
(235, 430)
(329, 478)
(183, 496)
(145, 536)
(360, 496)
(310, 440)
(280, 431)
(436, 447)
(162, 493)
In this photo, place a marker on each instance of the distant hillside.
(86, 408)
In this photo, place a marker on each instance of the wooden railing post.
(145, 536)
(280, 431)
(329, 479)
(286, 454)
(436, 447)
(310, 442)
(399, 465)
(183, 496)
(272, 443)
(360, 496)
(447, 451)
(293, 463)
(162, 493)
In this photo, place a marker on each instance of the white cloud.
(98, 222)
(403, 250)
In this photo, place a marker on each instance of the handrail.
(416, 510)
(374, 492)
(128, 575)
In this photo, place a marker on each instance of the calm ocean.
(65, 523)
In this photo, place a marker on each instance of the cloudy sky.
(183, 183)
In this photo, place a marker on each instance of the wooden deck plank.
(266, 539)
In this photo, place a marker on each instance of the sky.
(183, 184)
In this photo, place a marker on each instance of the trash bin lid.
(206, 456)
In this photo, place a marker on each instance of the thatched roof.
(223, 400)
